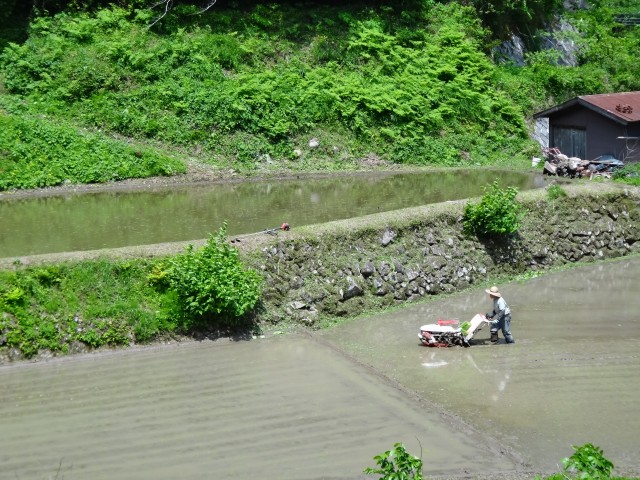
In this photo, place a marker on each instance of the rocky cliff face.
(344, 268)
(557, 37)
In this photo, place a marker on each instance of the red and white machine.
(446, 333)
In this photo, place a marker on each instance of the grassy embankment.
(248, 89)
(76, 304)
(98, 97)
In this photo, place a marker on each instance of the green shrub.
(42, 152)
(628, 174)
(397, 464)
(212, 285)
(588, 462)
(498, 213)
(555, 191)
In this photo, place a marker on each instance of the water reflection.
(578, 333)
(495, 379)
(118, 219)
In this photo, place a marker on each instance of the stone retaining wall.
(368, 263)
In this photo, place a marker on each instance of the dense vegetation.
(248, 85)
(497, 214)
(38, 152)
(57, 308)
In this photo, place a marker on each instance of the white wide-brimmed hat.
(493, 291)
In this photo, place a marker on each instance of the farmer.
(502, 314)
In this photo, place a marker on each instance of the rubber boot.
(509, 339)
(494, 337)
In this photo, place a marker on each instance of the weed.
(555, 192)
(588, 462)
(498, 213)
(211, 284)
(397, 464)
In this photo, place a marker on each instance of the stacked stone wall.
(344, 268)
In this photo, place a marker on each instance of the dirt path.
(198, 174)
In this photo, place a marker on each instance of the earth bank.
(343, 268)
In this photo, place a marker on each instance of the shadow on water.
(90, 221)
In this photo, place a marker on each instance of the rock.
(314, 143)
(353, 290)
(387, 237)
(398, 266)
(384, 269)
(368, 269)
(297, 305)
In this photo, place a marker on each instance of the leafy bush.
(498, 213)
(397, 464)
(628, 174)
(588, 462)
(43, 153)
(212, 284)
(555, 191)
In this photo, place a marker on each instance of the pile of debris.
(557, 163)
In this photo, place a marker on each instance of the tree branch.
(168, 4)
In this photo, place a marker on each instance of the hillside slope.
(284, 87)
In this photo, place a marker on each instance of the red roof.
(622, 107)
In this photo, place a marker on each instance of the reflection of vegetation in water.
(93, 221)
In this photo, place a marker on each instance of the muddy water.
(321, 406)
(279, 408)
(571, 377)
(89, 221)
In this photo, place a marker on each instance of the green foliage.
(606, 60)
(408, 82)
(397, 464)
(516, 16)
(555, 191)
(97, 303)
(588, 462)
(41, 152)
(113, 303)
(212, 285)
(498, 213)
(629, 174)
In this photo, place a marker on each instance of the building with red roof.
(591, 126)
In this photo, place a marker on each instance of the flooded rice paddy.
(112, 219)
(570, 378)
(283, 408)
(322, 405)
